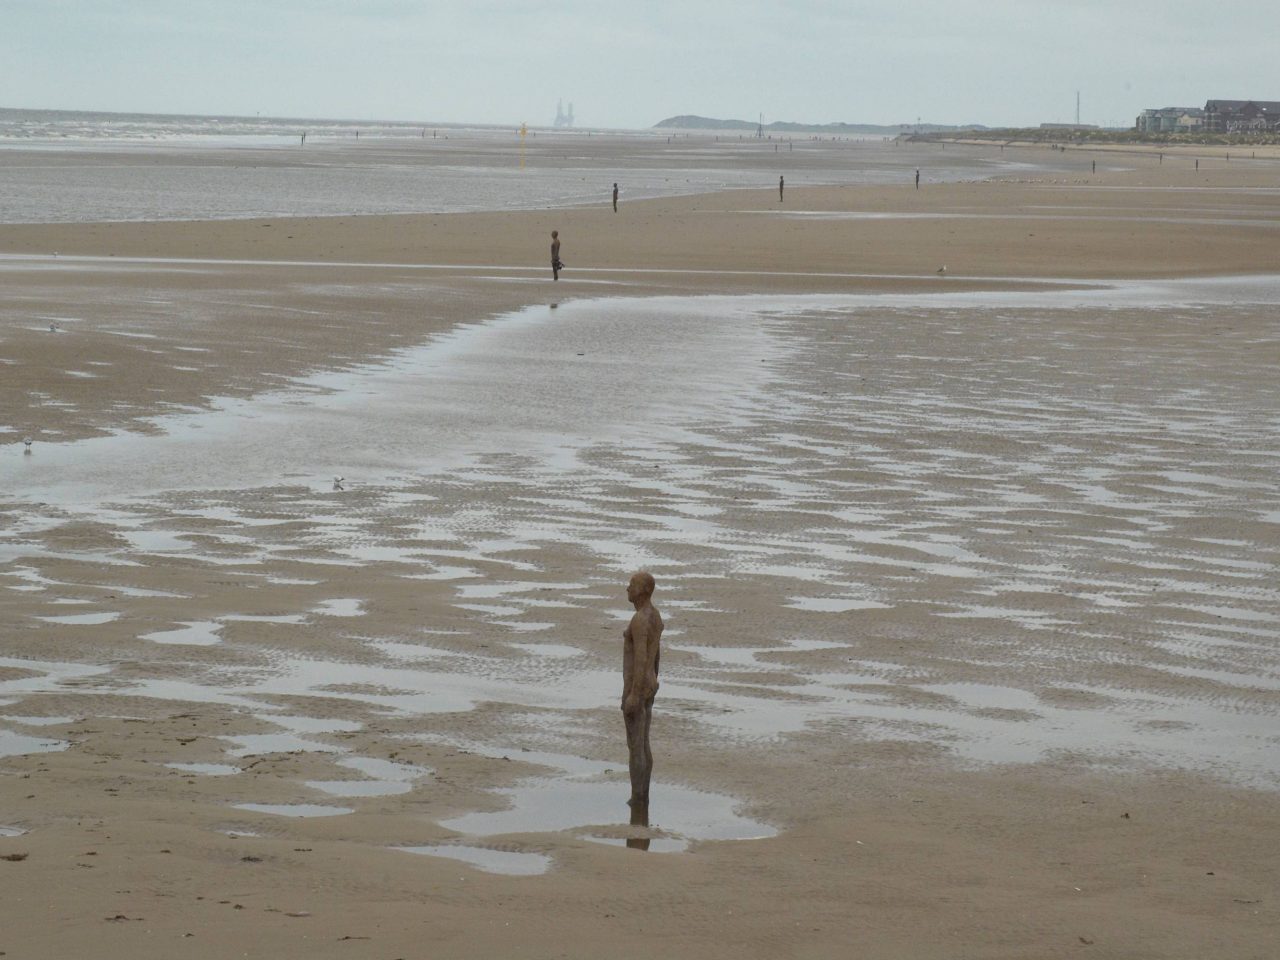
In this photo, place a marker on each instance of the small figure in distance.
(640, 656)
(556, 265)
(917, 178)
(780, 185)
(615, 198)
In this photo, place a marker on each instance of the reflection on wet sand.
(587, 797)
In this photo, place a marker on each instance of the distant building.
(1242, 116)
(1191, 122)
(1068, 126)
(1170, 120)
(564, 119)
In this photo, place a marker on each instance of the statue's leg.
(636, 756)
(639, 818)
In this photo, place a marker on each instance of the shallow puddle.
(200, 633)
(255, 744)
(359, 788)
(732, 656)
(385, 778)
(340, 607)
(83, 619)
(156, 541)
(206, 769)
(13, 744)
(478, 380)
(294, 809)
(293, 618)
(835, 604)
(513, 863)
(378, 769)
(651, 844)
(568, 804)
(524, 626)
(37, 721)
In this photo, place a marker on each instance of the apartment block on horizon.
(1170, 120)
(1242, 116)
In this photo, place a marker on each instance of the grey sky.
(629, 64)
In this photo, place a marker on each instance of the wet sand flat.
(969, 578)
(180, 177)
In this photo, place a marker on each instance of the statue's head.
(640, 586)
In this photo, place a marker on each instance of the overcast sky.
(630, 64)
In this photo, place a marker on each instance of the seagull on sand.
(26, 443)
(942, 270)
(337, 482)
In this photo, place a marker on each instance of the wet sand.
(175, 178)
(969, 577)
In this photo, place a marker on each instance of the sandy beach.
(962, 504)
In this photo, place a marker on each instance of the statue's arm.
(643, 680)
(648, 669)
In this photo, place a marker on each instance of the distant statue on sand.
(780, 185)
(640, 681)
(615, 198)
(556, 265)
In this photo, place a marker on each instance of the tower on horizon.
(564, 119)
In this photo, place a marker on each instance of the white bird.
(26, 443)
(942, 269)
(337, 482)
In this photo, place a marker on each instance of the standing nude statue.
(640, 681)
(556, 265)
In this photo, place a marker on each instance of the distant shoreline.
(695, 122)
(13, 115)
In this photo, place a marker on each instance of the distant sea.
(63, 166)
(48, 128)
